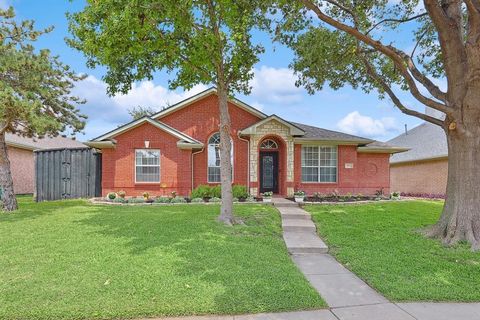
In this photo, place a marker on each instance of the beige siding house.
(423, 169)
(22, 162)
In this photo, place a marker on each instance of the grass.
(72, 259)
(382, 245)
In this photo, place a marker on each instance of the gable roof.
(381, 147)
(315, 133)
(294, 130)
(426, 141)
(160, 125)
(58, 142)
(204, 94)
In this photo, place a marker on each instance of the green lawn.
(382, 245)
(72, 259)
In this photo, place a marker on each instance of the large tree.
(35, 88)
(404, 45)
(199, 41)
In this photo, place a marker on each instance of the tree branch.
(378, 79)
(389, 51)
(396, 20)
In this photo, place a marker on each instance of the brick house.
(20, 152)
(424, 167)
(177, 149)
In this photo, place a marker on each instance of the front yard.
(380, 243)
(72, 259)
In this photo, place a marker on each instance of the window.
(268, 144)
(319, 164)
(213, 174)
(147, 165)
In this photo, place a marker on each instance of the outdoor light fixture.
(147, 144)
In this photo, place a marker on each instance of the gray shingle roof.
(312, 132)
(425, 141)
(45, 143)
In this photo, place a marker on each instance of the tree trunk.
(6, 182)
(460, 219)
(226, 210)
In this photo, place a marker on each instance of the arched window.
(268, 144)
(213, 174)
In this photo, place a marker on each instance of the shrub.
(216, 191)
(162, 200)
(121, 194)
(202, 191)
(239, 191)
(146, 195)
(215, 199)
(119, 200)
(197, 200)
(299, 193)
(250, 199)
(136, 200)
(235, 199)
(111, 195)
(178, 200)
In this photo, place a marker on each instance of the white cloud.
(105, 112)
(275, 85)
(358, 124)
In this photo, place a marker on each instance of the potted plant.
(146, 196)
(267, 196)
(111, 196)
(395, 195)
(299, 196)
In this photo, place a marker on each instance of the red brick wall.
(420, 177)
(23, 169)
(200, 120)
(118, 165)
(370, 172)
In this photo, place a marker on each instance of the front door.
(269, 172)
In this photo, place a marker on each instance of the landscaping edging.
(355, 202)
(99, 202)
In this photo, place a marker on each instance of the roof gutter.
(390, 150)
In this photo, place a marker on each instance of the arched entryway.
(271, 167)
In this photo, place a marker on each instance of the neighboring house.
(177, 149)
(424, 168)
(22, 160)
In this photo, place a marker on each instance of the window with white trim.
(213, 150)
(268, 144)
(147, 165)
(319, 164)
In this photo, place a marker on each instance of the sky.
(273, 87)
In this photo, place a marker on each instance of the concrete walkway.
(348, 297)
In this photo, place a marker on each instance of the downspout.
(194, 153)
(248, 160)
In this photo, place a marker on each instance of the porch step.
(298, 225)
(304, 242)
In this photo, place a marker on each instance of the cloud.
(105, 112)
(358, 124)
(275, 85)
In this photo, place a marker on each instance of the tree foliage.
(197, 42)
(35, 86)
(35, 92)
(140, 112)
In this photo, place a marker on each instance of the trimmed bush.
(216, 191)
(111, 195)
(215, 199)
(119, 200)
(136, 200)
(178, 200)
(202, 191)
(162, 200)
(197, 200)
(239, 191)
